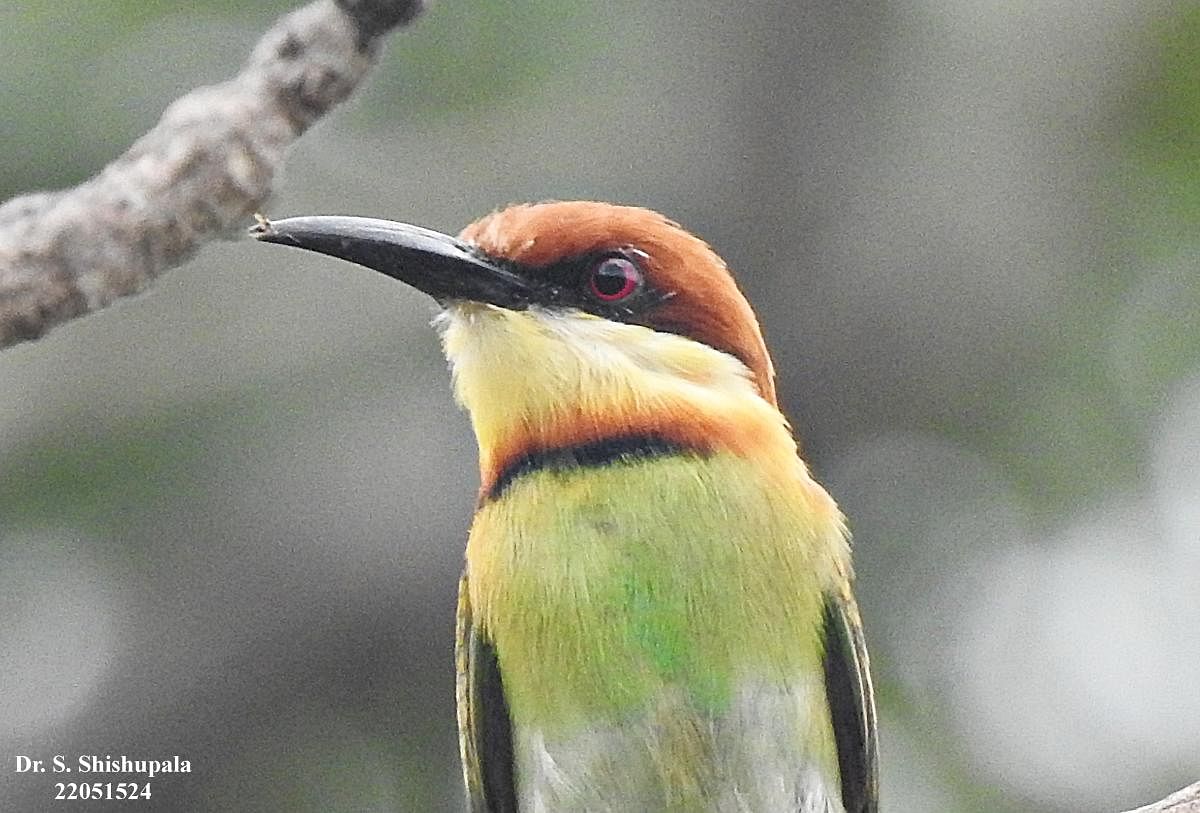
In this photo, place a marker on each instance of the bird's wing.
(851, 704)
(484, 728)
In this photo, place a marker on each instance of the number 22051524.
(101, 790)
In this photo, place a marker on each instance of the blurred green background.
(232, 510)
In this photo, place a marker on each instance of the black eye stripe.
(568, 283)
(565, 285)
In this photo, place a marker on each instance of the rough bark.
(1185, 801)
(197, 175)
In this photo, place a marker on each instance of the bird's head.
(574, 322)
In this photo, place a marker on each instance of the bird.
(656, 609)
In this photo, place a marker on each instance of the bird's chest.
(655, 626)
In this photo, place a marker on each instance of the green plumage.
(654, 622)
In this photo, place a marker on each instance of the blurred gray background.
(232, 510)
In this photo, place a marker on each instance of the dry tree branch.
(204, 168)
(1184, 801)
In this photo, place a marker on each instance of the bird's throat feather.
(539, 380)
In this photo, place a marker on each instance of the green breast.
(606, 589)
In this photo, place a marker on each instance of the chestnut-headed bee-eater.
(656, 609)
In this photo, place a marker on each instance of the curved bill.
(441, 266)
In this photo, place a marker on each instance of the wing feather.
(484, 728)
(851, 705)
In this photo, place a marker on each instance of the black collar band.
(607, 452)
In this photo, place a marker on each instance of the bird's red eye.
(614, 278)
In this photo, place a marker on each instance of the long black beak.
(441, 266)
